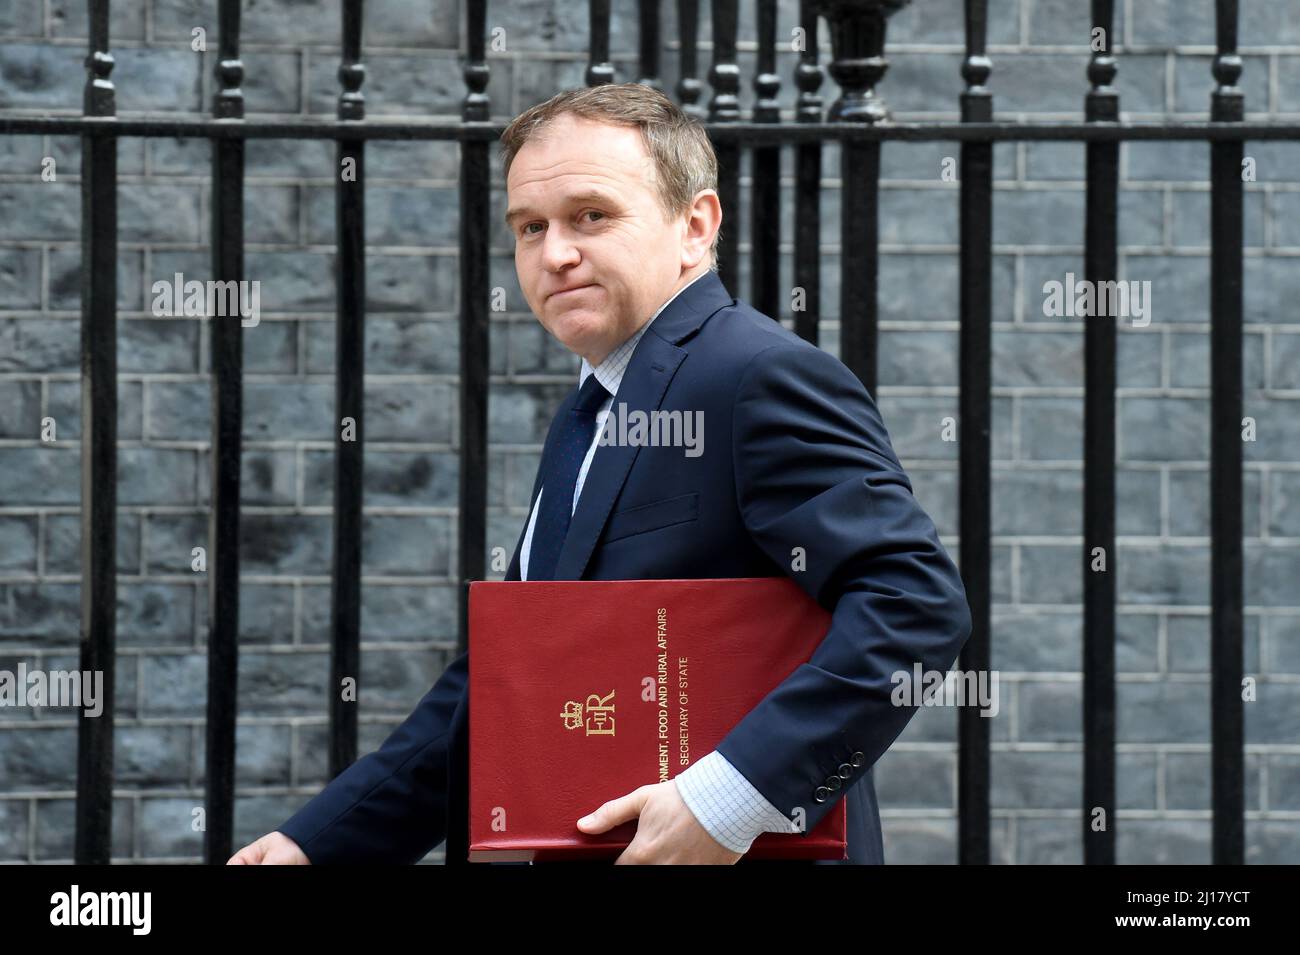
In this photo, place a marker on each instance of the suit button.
(845, 770)
(858, 759)
(820, 794)
(832, 783)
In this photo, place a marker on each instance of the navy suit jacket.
(797, 478)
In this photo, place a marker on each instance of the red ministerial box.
(581, 691)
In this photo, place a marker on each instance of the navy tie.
(561, 477)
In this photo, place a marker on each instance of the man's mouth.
(570, 291)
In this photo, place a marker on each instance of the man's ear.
(702, 222)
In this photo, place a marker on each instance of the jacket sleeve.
(824, 496)
(390, 805)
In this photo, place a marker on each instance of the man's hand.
(667, 832)
(274, 848)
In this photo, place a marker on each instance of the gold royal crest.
(599, 720)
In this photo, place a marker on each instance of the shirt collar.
(610, 371)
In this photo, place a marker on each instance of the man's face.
(594, 251)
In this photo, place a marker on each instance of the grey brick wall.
(290, 53)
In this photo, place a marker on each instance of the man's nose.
(559, 249)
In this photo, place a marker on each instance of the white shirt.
(720, 796)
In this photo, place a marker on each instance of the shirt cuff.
(727, 805)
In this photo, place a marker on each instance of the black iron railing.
(858, 122)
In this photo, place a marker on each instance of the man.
(613, 206)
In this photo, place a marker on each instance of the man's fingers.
(614, 812)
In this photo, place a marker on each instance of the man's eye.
(528, 226)
(593, 212)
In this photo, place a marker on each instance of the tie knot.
(591, 395)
